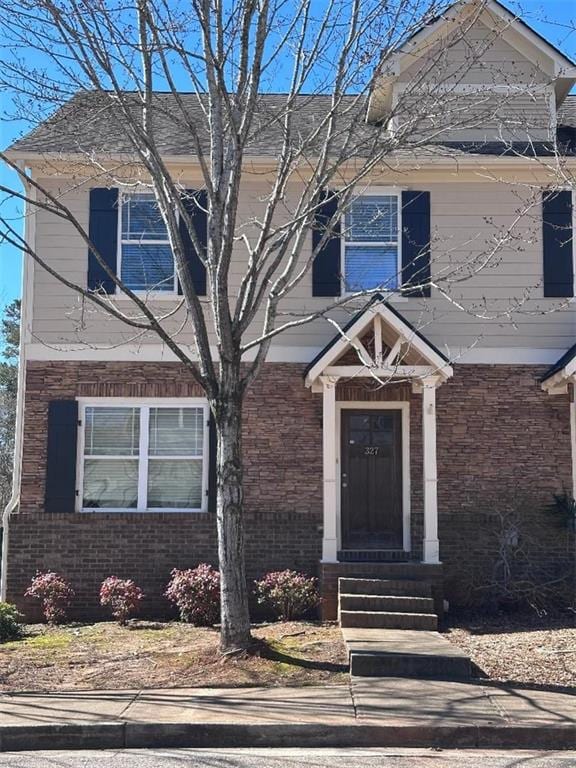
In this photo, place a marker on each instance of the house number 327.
(371, 450)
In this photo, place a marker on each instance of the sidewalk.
(369, 712)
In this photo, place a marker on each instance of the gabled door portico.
(366, 448)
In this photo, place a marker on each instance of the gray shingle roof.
(89, 123)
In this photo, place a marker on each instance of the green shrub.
(10, 623)
(288, 594)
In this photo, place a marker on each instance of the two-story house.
(475, 425)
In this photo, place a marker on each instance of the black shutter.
(212, 454)
(326, 266)
(196, 206)
(415, 243)
(103, 233)
(557, 239)
(61, 456)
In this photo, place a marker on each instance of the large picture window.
(144, 456)
(146, 260)
(371, 244)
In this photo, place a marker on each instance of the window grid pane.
(141, 219)
(368, 267)
(175, 483)
(111, 431)
(147, 266)
(176, 432)
(372, 219)
(110, 484)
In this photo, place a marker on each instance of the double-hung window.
(144, 456)
(371, 243)
(146, 260)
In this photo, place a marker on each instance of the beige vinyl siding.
(481, 57)
(478, 89)
(502, 302)
(479, 117)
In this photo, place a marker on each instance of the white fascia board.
(278, 354)
(420, 162)
(152, 353)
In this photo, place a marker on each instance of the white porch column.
(330, 535)
(431, 546)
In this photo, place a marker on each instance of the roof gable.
(400, 327)
(509, 28)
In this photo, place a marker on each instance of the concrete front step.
(389, 620)
(404, 653)
(386, 603)
(385, 587)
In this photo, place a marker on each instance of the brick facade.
(503, 444)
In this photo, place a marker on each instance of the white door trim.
(398, 405)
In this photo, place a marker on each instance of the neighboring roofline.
(376, 299)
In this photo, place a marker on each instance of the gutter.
(269, 162)
(25, 325)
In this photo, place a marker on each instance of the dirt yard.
(522, 649)
(155, 655)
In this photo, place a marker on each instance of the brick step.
(385, 587)
(410, 665)
(387, 603)
(389, 620)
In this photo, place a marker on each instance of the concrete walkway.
(404, 653)
(371, 712)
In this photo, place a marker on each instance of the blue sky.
(551, 19)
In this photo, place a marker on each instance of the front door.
(371, 481)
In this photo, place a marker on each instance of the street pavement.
(289, 758)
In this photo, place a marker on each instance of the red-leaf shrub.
(54, 592)
(196, 594)
(122, 595)
(287, 593)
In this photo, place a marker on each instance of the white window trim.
(146, 403)
(374, 192)
(386, 405)
(149, 294)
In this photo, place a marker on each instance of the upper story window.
(371, 243)
(146, 261)
(144, 457)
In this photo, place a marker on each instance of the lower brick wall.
(503, 444)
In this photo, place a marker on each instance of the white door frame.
(361, 405)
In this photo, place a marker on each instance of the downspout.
(25, 326)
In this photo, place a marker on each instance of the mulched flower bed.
(519, 648)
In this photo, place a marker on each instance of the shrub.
(287, 593)
(54, 592)
(10, 623)
(196, 594)
(122, 595)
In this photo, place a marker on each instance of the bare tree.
(330, 59)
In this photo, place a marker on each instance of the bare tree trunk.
(235, 617)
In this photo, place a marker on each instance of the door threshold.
(373, 555)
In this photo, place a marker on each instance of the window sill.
(149, 296)
(162, 510)
(391, 296)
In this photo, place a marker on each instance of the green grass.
(52, 640)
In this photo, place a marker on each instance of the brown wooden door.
(371, 481)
